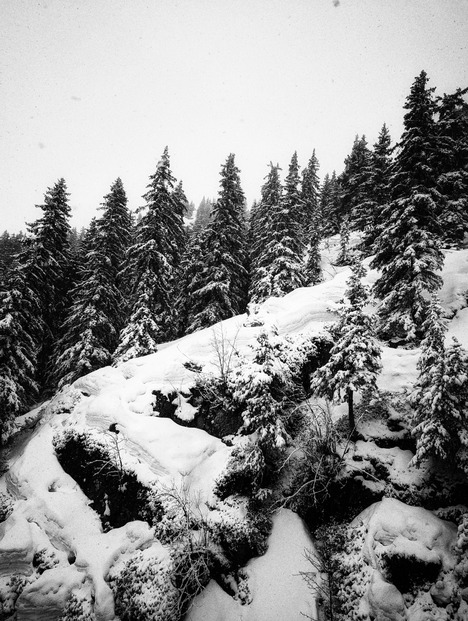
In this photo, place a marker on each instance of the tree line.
(70, 304)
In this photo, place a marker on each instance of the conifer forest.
(245, 411)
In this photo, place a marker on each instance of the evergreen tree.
(355, 357)
(379, 183)
(355, 186)
(151, 267)
(20, 327)
(202, 216)
(344, 257)
(416, 159)
(10, 248)
(48, 268)
(312, 220)
(292, 199)
(452, 180)
(440, 395)
(407, 249)
(330, 205)
(277, 266)
(191, 278)
(222, 286)
(97, 313)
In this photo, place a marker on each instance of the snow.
(278, 591)
(52, 513)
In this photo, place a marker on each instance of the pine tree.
(10, 248)
(293, 201)
(97, 313)
(440, 396)
(48, 268)
(191, 278)
(408, 251)
(277, 266)
(452, 180)
(310, 192)
(355, 357)
(379, 183)
(258, 386)
(20, 327)
(151, 267)
(202, 216)
(344, 257)
(222, 286)
(330, 205)
(355, 186)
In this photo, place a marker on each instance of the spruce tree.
(379, 184)
(452, 180)
(202, 216)
(20, 329)
(222, 286)
(48, 269)
(97, 313)
(407, 250)
(355, 357)
(330, 205)
(151, 268)
(259, 388)
(277, 266)
(310, 192)
(191, 278)
(293, 200)
(440, 396)
(355, 186)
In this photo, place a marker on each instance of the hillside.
(124, 436)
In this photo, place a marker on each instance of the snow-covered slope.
(52, 518)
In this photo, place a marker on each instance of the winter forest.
(198, 403)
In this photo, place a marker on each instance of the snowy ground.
(51, 512)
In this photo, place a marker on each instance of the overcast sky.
(95, 89)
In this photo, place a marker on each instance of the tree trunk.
(352, 423)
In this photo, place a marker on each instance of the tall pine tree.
(379, 189)
(48, 269)
(407, 250)
(97, 312)
(151, 268)
(222, 287)
(310, 193)
(452, 180)
(277, 266)
(355, 187)
(20, 329)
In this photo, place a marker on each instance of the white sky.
(95, 89)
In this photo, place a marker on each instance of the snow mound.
(404, 547)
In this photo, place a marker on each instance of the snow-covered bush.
(243, 538)
(6, 506)
(78, 609)
(44, 559)
(318, 465)
(152, 589)
(10, 593)
(95, 462)
(264, 387)
(144, 590)
(244, 472)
